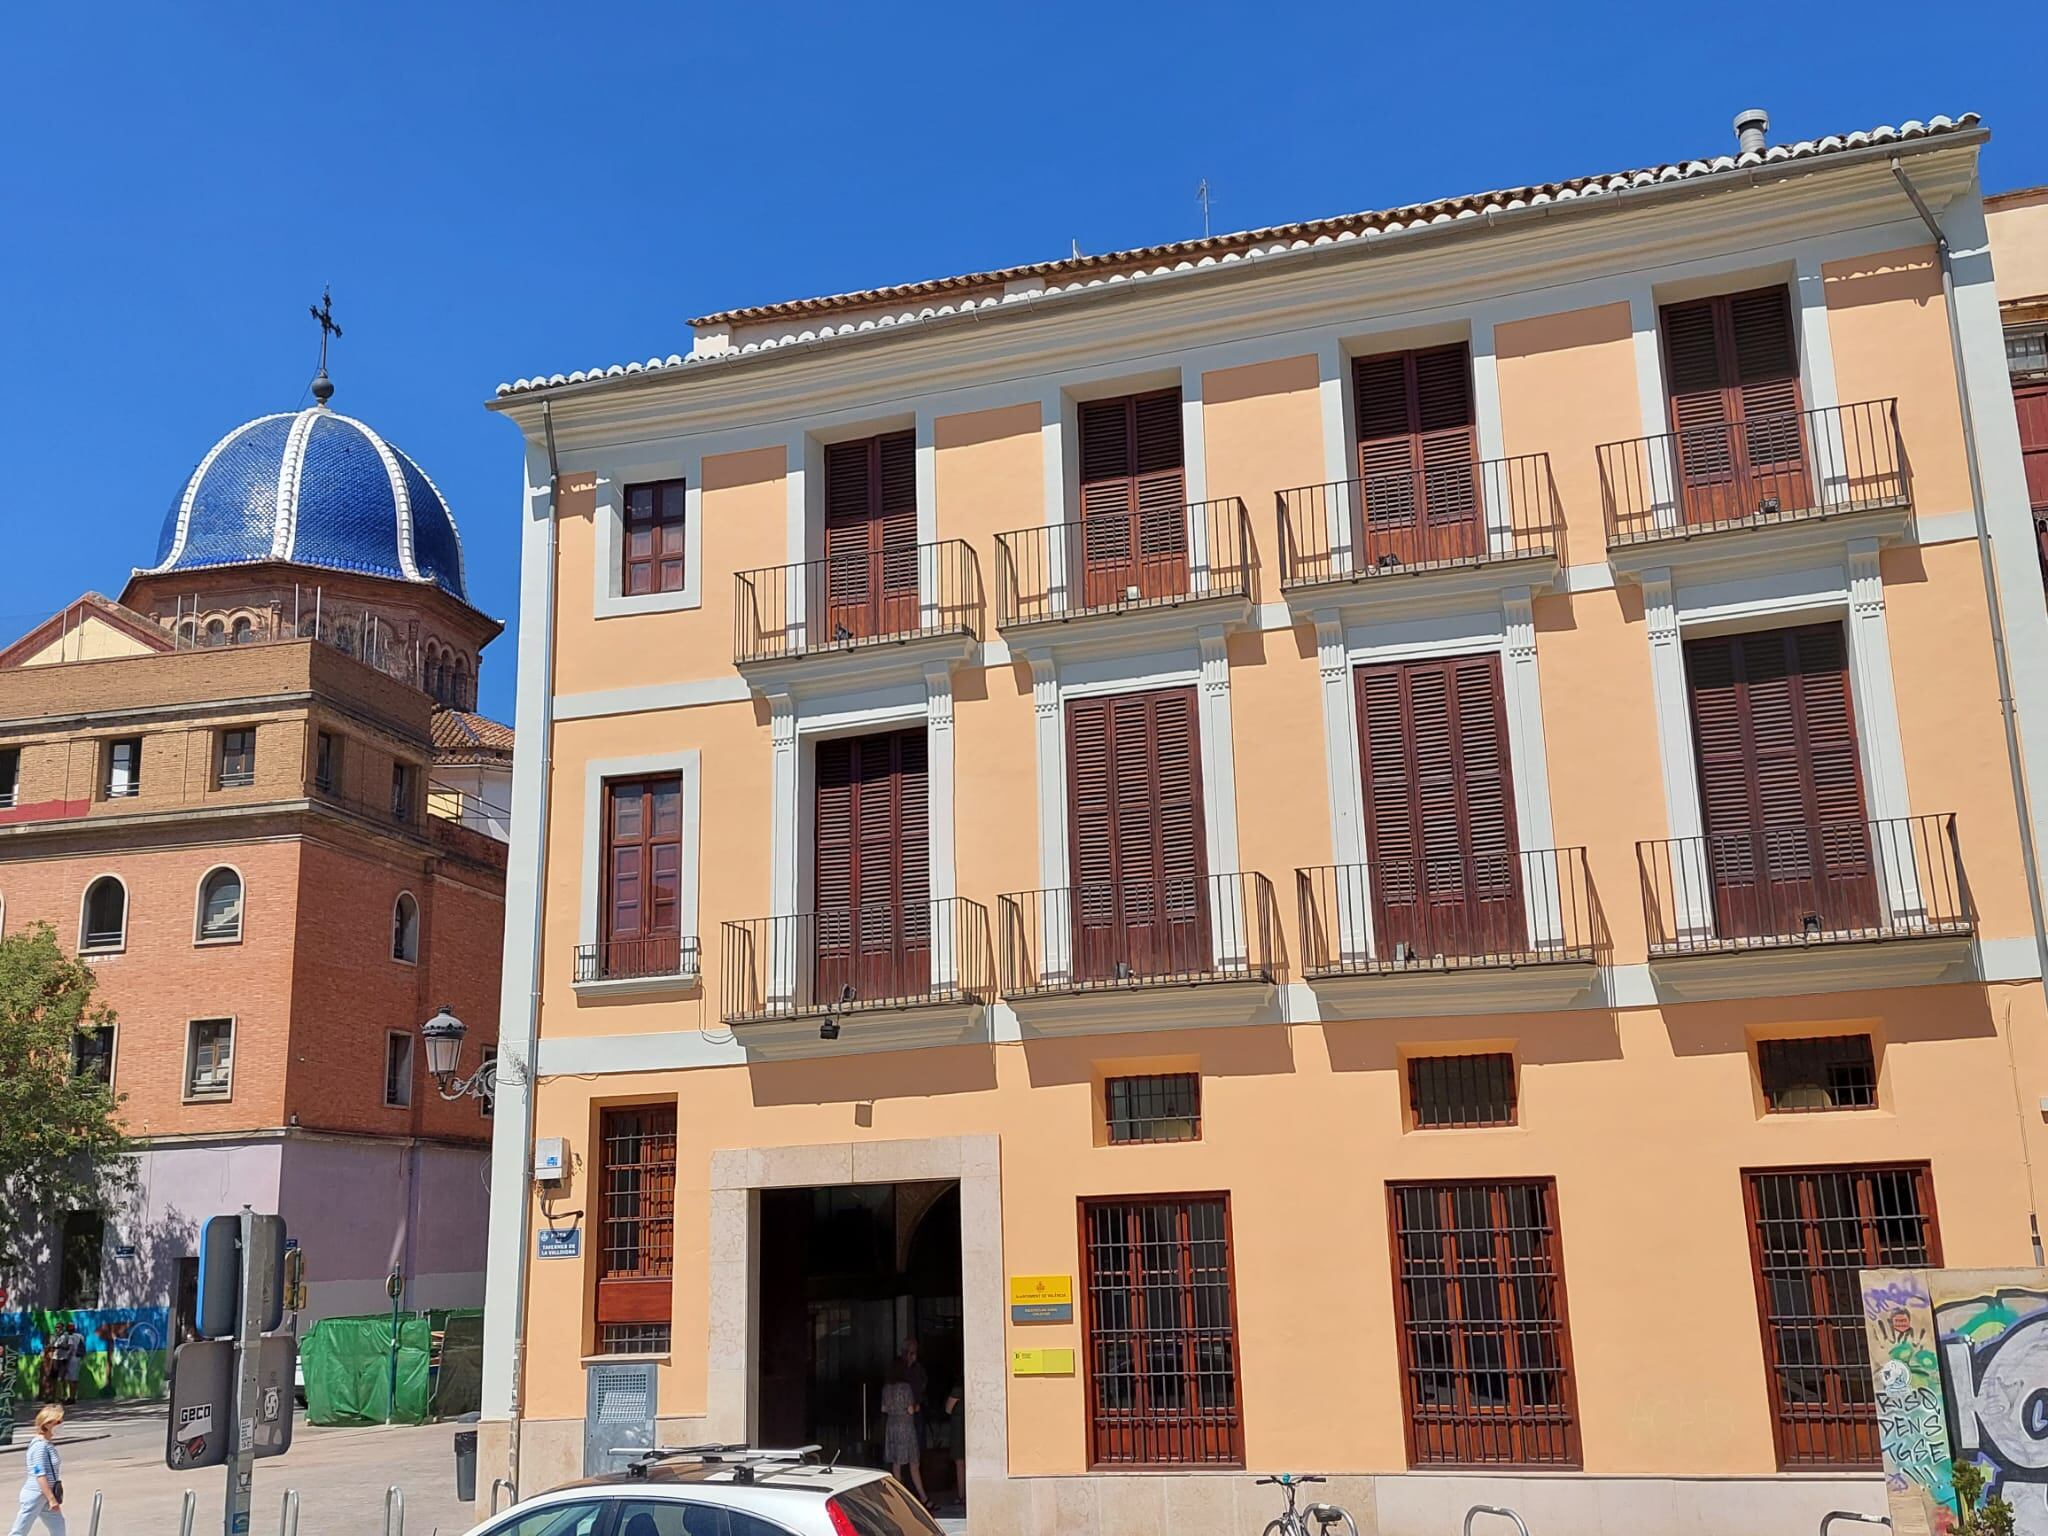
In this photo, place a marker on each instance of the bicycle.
(1294, 1522)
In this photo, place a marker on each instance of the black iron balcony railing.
(1780, 468)
(1098, 937)
(648, 958)
(845, 601)
(854, 959)
(1394, 916)
(1154, 557)
(1792, 886)
(1420, 518)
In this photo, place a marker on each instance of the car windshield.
(882, 1508)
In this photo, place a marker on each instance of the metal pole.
(394, 1506)
(391, 1402)
(92, 1524)
(185, 1514)
(506, 1484)
(248, 1344)
(288, 1514)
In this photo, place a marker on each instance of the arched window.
(188, 632)
(308, 627)
(220, 906)
(458, 690)
(242, 633)
(345, 639)
(103, 916)
(434, 677)
(216, 632)
(405, 929)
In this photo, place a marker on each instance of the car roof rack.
(745, 1460)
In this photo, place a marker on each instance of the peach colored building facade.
(1417, 808)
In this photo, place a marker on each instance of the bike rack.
(185, 1515)
(92, 1524)
(506, 1484)
(288, 1514)
(1494, 1509)
(1833, 1515)
(394, 1504)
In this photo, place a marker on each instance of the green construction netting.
(347, 1364)
(459, 1383)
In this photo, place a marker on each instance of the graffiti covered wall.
(1960, 1364)
(124, 1349)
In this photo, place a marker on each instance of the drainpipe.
(1996, 610)
(532, 1076)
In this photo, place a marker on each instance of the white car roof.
(790, 1493)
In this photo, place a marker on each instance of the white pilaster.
(782, 834)
(1055, 928)
(1650, 399)
(928, 594)
(1531, 760)
(1230, 918)
(1817, 379)
(1898, 851)
(1684, 870)
(796, 534)
(1351, 884)
(1331, 383)
(1491, 436)
(943, 876)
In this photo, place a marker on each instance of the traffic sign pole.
(248, 1343)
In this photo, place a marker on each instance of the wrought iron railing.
(1392, 916)
(845, 601)
(1783, 467)
(855, 959)
(1154, 557)
(1137, 933)
(1436, 517)
(1792, 886)
(646, 958)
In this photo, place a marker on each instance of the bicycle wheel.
(1283, 1525)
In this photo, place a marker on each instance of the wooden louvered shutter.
(1093, 895)
(1174, 799)
(870, 537)
(871, 871)
(1417, 457)
(1440, 820)
(2030, 399)
(1133, 498)
(643, 877)
(833, 854)
(896, 507)
(1781, 786)
(1732, 372)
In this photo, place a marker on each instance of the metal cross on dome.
(323, 387)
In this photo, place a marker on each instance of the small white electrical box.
(550, 1159)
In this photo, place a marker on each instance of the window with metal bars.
(633, 1339)
(1819, 1073)
(1485, 1345)
(1161, 1332)
(636, 1217)
(1456, 1092)
(1165, 1106)
(1811, 1231)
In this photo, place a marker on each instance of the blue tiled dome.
(313, 488)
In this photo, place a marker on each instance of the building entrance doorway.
(848, 1273)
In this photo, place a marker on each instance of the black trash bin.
(465, 1465)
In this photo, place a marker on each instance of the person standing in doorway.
(74, 1361)
(899, 1430)
(42, 1494)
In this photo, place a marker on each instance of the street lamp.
(443, 1034)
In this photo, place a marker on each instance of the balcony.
(1788, 473)
(1840, 905)
(1142, 955)
(922, 602)
(1171, 566)
(658, 962)
(1455, 524)
(875, 977)
(1399, 938)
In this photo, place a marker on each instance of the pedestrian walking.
(42, 1494)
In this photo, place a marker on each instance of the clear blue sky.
(504, 189)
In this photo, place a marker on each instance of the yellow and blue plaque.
(1041, 1298)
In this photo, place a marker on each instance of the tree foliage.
(61, 1142)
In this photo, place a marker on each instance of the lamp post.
(444, 1034)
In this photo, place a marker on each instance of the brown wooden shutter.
(1781, 782)
(1133, 498)
(1439, 803)
(871, 870)
(1732, 373)
(643, 876)
(1417, 453)
(870, 537)
(1140, 895)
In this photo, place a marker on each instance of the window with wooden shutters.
(1417, 457)
(643, 857)
(871, 869)
(1440, 809)
(870, 537)
(1134, 534)
(2030, 399)
(1160, 1321)
(1812, 1230)
(636, 1225)
(652, 550)
(1731, 367)
(1788, 848)
(1485, 1348)
(1140, 894)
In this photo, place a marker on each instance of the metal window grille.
(1485, 1345)
(1820, 1073)
(1450, 1092)
(237, 759)
(2026, 353)
(1161, 1332)
(1811, 1231)
(633, 1339)
(124, 769)
(639, 1192)
(1166, 1106)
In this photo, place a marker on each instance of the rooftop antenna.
(1202, 197)
(1076, 245)
(323, 387)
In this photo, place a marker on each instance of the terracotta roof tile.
(463, 736)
